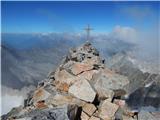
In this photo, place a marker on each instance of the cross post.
(88, 29)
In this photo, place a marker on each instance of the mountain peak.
(82, 87)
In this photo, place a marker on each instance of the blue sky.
(74, 16)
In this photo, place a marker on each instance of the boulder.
(63, 99)
(104, 93)
(41, 105)
(40, 95)
(51, 89)
(89, 109)
(64, 77)
(88, 74)
(58, 113)
(96, 113)
(78, 68)
(83, 90)
(144, 115)
(107, 79)
(94, 118)
(107, 109)
(84, 116)
(61, 86)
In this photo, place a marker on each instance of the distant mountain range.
(27, 61)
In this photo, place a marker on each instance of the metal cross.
(88, 29)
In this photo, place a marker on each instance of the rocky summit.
(81, 88)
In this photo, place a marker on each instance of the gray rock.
(104, 93)
(65, 112)
(118, 114)
(63, 99)
(12, 113)
(143, 115)
(107, 79)
(83, 90)
(107, 110)
(49, 114)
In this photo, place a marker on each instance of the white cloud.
(146, 41)
(13, 98)
(10, 101)
(127, 34)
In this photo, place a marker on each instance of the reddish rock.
(40, 94)
(41, 105)
(62, 87)
(88, 74)
(78, 68)
(64, 77)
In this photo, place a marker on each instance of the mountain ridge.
(82, 87)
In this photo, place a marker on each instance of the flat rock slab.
(78, 68)
(104, 93)
(88, 74)
(40, 94)
(89, 109)
(83, 90)
(107, 109)
(60, 99)
(109, 80)
(84, 116)
(64, 77)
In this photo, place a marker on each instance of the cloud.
(127, 34)
(146, 41)
(11, 98)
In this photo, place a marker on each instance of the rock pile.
(81, 88)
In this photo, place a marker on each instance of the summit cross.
(88, 29)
